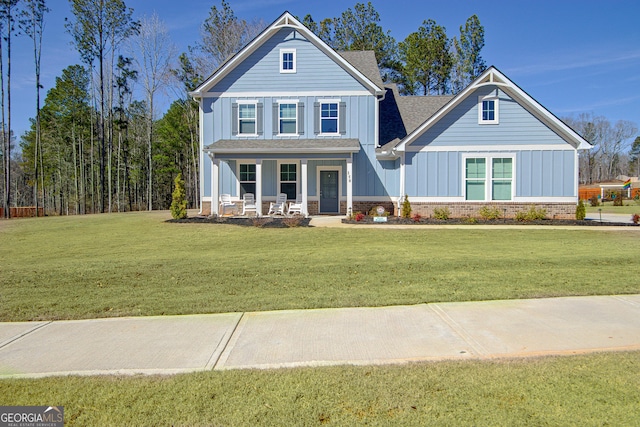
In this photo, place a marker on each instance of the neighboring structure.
(288, 114)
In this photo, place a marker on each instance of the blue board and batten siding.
(328, 81)
(544, 165)
(261, 70)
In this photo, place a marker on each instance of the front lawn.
(137, 264)
(630, 207)
(598, 389)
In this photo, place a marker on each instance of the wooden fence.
(587, 193)
(23, 212)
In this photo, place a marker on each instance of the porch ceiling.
(288, 146)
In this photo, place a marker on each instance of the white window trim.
(239, 182)
(330, 101)
(295, 67)
(288, 101)
(496, 119)
(255, 106)
(488, 180)
(297, 181)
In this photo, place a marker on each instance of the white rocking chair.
(278, 207)
(296, 207)
(225, 202)
(249, 204)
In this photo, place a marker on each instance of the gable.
(286, 30)
(460, 127)
(260, 71)
(465, 105)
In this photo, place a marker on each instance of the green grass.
(137, 264)
(630, 207)
(599, 389)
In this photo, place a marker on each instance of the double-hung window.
(288, 118)
(501, 178)
(475, 178)
(247, 119)
(288, 180)
(488, 178)
(247, 178)
(488, 111)
(287, 60)
(329, 117)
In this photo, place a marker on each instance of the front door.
(329, 202)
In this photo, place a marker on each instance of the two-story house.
(288, 114)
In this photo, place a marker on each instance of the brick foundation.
(458, 210)
(206, 208)
(508, 210)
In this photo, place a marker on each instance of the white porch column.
(259, 186)
(350, 185)
(403, 190)
(303, 184)
(215, 190)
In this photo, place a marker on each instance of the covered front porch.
(318, 173)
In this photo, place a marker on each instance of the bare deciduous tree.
(610, 143)
(223, 34)
(153, 54)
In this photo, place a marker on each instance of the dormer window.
(287, 60)
(488, 111)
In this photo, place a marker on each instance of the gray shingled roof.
(323, 145)
(401, 115)
(416, 110)
(365, 62)
(392, 127)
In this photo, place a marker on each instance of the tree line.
(97, 143)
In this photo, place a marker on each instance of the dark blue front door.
(329, 192)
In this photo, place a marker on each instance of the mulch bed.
(299, 221)
(262, 222)
(474, 221)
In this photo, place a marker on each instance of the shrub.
(292, 221)
(489, 212)
(471, 220)
(416, 217)
(179, 199)
(405, 212)
(359, 216)
(635, 218)
(594, 201)
(618, 200)
(581, 211)
(533, 214)
(260, 221)
(443, 213)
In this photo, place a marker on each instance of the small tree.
(581, 211)
(405, 212)
(179, 199)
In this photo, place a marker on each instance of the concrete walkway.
(359, 336)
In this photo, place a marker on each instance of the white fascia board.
(286, 20)
(571, 199)
(492, 202)
(492, 76)
(489, 148)
(284, 151)
(255, 94)
(377, 199)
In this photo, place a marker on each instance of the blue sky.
(572, 56)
